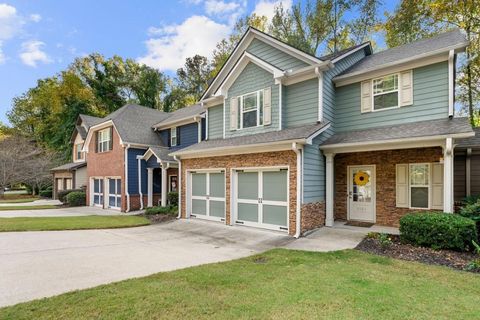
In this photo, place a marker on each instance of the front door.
(361, 193)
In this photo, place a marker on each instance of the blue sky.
(40, 38)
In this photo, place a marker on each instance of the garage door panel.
(217, 208)
(276, 215)
(217, 185)
(199, 206)
(199, 184)
(248, 212)
(275, 185)
(248, 185)
(207, 195)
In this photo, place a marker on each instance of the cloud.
(2, 56)
(219, 7)
(32, 53)
(267, 7)
(10, 22)
(35, 17)
(174, 43)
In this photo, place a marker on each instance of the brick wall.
(313, 215)
(284, 158)
(387, 212)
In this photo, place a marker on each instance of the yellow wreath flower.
(361, 178)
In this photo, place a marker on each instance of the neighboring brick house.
(295, 141)
(74, 175)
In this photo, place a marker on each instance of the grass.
(46, 206)
(21, 200)
(70, 223)
(279, 284)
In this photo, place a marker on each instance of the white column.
(448, 176)
(164, 187)
(150, 187)
(329, 198)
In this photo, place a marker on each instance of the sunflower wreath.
(361, 178)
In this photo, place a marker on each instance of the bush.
(173, 210)
(472, 211)
(471, 199)
(46, 193)
(438, 230)
(61, 195)
(172, 198)
(76, 198)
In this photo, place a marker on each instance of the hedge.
(172, 198)
(63, 193)
(173, 210)
(472, 211)
(438, 230)
(76, 198)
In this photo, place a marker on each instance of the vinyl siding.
(80, 177)
(273, 56)
(300, 103)
(430, 101)
(188, 136)
(215, 122)
(251, 79)
(133, 171)
(459, 177)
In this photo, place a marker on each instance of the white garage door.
(207, 195)
(261, 198)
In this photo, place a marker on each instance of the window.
(251, 110)
(419, 185)
(78, 150)
(98, 192)
(173, 137)
(115, 193)
(385, 92)
(103, 140)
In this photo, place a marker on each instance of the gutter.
(126, 178)
(179, 186)
(298, 225)
(139, 159)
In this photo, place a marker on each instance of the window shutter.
(437, 186)
(402, 186)
(233, 113)
(96, 141)
(110, 143)
(406, 88)
(169, 139)
(267, 106)
(366, 96)
(178, 136)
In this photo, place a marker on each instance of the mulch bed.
(159, 218)
(398, 250)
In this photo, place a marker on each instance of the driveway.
(41, 264)
(61, 212)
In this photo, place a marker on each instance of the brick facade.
(385, 161)
(281, 158)
(313, 215)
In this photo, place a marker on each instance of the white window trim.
(78, 151)
(241, 111)
(429, 186)
(173, 135)
(101, 139)
(118, 196)
(386, 92)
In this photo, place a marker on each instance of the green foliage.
(76, 198)
(471, 211)
(47, 193)
(475, 264)
(62, 194)
(471, 199)
(438, 230)
(385, 240)
(372, 235)
(172, 198)
(172, 210)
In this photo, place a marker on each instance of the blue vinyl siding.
(430, 101)
(251, 79)
(188, 135)
(133, 171)
(274, 56)
(215, 122)
(300, 103)
(152, 162)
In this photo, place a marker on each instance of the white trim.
(179, 187)
(407, 63)
(179, 122)
(257, 109)
(329, 190)
(164, 186)
(451, 83)
(366, 44)
(116, 195)
(448, 175)
(127, 194)
(172, 130)
(374, 191)
(150, 187)
(298, 217)
(320, 95)
(139, 164)
(429, 185)
(199, 131)
(397, 74)
(280, 104)
(207, 129)
(316, 134)
(97, 127)
(224, 121)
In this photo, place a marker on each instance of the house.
(467, 167)
(74, 175)
(127, 155)
(294, 141)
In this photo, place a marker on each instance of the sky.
(40, 38)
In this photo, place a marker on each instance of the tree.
(194, 75)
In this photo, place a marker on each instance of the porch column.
(329, 198)
(448, 176)
(150, 187)
(164, 187)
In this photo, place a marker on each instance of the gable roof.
(452, 40)
(161, 153)
(83, 123)
(183, 114)
(89, 120)
(69, 166)
(340, 54)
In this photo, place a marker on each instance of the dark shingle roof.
(473, 142)
(407, 51)
(90, 120)
(302, 132)
(69, 166)
(162, 153)
(337, 54)
(183, 113)
(403, 131)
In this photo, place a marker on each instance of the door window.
(115, 193)
(362, 185)
(98, 191)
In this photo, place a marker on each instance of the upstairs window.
(251, 110)
(78, 151)
(385, 92)
(173, 137)
(104, 140)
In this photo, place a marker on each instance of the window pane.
(217, 209)
(250, 102)
(277, 215)
(250, 119)
(199, 184)
(199, 206)
(112, 201)
(387, 100)
(420, 197)
(385, 84)
(96, 199)
(260, 111)
(248, 212)
(248, 185)
(119, 186)
(275, 185)
(96, 185)
(419, 175)
(111, 186)
(217, 185)
(119, 202)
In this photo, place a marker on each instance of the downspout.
(139, 158)
(298, 224)
(179, 186)
(126, 178)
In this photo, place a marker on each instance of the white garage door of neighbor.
(207, 195)
(261, 198)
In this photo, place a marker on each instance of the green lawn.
(13, 207)
(70, 223)
(21, 200)
(279, 284)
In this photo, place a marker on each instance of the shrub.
(61, 195)
(46, 193)
(172, 198)
(472, 211)
(173, 210)
(385, 240)
(471, 199)
(76, 198)
(438, 230)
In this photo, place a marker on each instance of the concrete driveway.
(41, 264)
(62, 212)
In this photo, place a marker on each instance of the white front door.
(361, 193)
